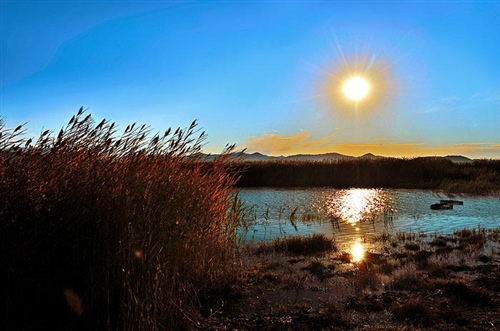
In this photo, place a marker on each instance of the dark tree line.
(480, 176)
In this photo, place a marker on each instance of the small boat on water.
(452, 202)
(441, 206)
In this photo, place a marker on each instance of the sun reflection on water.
(353, 205)
(357, 252)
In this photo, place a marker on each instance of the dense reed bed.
(101, 231)
(477, 177)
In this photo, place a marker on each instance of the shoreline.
(410, 282)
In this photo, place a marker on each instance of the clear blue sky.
(258, 73)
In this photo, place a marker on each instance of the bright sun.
(356, 88)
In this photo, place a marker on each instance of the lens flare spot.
(74, 301)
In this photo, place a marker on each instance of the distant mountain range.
(328, 157)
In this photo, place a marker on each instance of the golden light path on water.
(354, 206)
(357, 251)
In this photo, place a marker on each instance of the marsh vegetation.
(410, 281)
(427, 173)
(107, 231)
(138, 231)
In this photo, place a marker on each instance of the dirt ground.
(404, 282)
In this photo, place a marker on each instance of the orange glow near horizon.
(302, 142)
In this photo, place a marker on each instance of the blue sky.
(259, 74)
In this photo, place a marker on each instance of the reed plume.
(136, 224)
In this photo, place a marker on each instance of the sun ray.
(338, 47)
(356, 59)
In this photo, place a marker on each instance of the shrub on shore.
(298, 245)
(428, 173)
(135, 227)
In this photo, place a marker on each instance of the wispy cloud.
(445, 104)
(456, 103)
(491, 97)
(300, 142)
(303, 143)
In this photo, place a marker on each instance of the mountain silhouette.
(325, 157)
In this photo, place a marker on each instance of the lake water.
(351, 214)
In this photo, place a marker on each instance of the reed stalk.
(135, 225)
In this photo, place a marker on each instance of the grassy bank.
(405, 281)
(477, 177)
(100, 231)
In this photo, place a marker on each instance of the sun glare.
(356, 88)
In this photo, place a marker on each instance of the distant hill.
(257, 157)
(458, 158)
(370, 156)
(297, 157)
(327, 157)
(318, 157)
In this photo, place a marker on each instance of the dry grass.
(415, 311)
(133, 224)
(397, 288)
(407, 278)
(298, 245)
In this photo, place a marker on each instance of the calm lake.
(348, 214)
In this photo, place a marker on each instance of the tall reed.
(136, 225)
